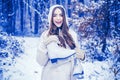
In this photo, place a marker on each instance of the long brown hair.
(64, 28)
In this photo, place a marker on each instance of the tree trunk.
(10, 17)
(30, 15)
(36, 20)
(21, 14)
(69, 8)
(106, 25)
(116, 14)
(57, 1)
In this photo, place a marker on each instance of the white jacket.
(63, 68)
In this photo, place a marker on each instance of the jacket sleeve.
(42, 56)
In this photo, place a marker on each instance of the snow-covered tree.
(10, 48)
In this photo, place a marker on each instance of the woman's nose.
(58, 17)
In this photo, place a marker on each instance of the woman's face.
(58, 17)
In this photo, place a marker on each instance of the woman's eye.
(54, 15)
(61, 14)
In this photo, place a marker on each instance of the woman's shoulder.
(45, 33)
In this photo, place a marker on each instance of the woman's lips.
(59, 22)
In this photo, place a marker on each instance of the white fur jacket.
(46, 52)
(52, 51)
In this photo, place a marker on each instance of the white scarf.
(56, 53)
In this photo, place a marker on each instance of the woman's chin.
(58, 26)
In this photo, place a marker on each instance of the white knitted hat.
(51, 10)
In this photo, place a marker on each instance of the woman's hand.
(80, 54)
(50, 39)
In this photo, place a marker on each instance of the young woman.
(58, 50)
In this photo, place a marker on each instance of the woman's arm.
(79, 52)
(42, 56)
(42, 51)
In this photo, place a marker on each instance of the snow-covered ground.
(26, 67)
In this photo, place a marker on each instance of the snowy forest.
(97, 23)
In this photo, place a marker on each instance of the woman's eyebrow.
(54, 14)
(61, 14)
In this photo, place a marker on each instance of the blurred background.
(97, 23)
(29, 17)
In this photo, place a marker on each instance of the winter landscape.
(97, 23)
(25, 67)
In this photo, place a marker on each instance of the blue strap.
(54, 60)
